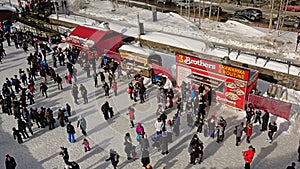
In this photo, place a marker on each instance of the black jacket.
(10, 164)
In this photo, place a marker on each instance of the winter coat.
(145, 158)
(60, 115)
(10, 164)
(114, 158)
(272, 128)
(239, 130)
(82, 123)
(131, 115)
(70, 129)
(248, 155)
(49, 116)
(139, 128)
(158, 125)
(249, 130)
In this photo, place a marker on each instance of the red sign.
(232, 92)
(212, 66)
(275, 107)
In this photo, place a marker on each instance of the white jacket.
(158, 125)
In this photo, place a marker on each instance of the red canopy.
(86, 37)
(88, 33)
(157, 69)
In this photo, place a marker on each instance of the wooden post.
(209, 14)
(283, 16)
(279, 15)
(194, 8)
(271, 15)
(218, 13)
(203, 6)
(189, 8)
(199, 14)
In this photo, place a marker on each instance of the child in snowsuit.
(86, 145)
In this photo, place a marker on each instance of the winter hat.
(148, 166)
(169, 122)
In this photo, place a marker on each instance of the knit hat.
(148, 166)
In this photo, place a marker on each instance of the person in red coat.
(115, 87)
(248, 156)
(249, 127)
(131, 116)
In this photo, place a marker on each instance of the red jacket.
(248, 131)
(248, 155)
(131, 115)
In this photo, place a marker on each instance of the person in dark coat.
(61, 117)
(265, 121)
(43, 89)
(257, 116)
(105, 109)
(106, 89)
(10, 162)
(49, 118)
(68, 108)
(195, 149)
(74, 165)
(239, 133)
(145, 157)
(75, 93)
(176, 124)
(64, 153)
(95, 76)
(83, 93)
(272, 129)
(22, 128)
(59, 82)
(113, 158)
(299, 152)
(17, 135)
(291, 166)
(71, 132)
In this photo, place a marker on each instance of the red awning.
(88, 33)
(157, 69)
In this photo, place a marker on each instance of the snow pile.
(230, 33)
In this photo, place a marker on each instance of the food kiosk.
(231, 83)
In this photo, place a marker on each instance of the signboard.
(234, 93)
(231, 91)
(211, 66)
(275, 107)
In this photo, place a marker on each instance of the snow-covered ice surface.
(41, 150)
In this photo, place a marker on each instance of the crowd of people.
(19, 91)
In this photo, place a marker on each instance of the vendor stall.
(231, 84)
(99, 41)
